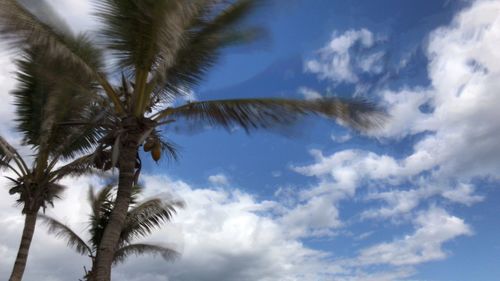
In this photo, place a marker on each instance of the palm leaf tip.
(359, 114)
(63, 231)
(7, 152)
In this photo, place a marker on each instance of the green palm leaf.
(63, 231)
(267, 113)
(144, 218)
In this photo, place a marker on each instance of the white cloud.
(464, 193)
(463, 96)
(337, 62)
(218, 179)
(347, 167)
(75, 13)
(459, 140)
(316, 217)
(372, 63)
(433, 228)
(397, 274)
(226, 238)
(309, 94)
(223, 235)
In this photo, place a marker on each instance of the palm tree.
(142, 219)
(160, 49)
(43, 100)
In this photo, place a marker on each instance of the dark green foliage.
(50, 93)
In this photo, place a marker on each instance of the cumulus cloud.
(225, 236)
(222, 234)
(453, 116)
(461, 135)
(455, 140)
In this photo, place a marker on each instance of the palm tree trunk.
(24, 247)
(111, 235)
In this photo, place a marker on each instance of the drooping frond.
(23, 28)
(144, 218)
(169, 149)
(101, 204)
(49, 93)
(214, 29)
(141, 249)
(63, 231)
(9, 153)
(77, 167)
(267, 113)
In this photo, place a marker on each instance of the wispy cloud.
(346, 56)
(218, 179)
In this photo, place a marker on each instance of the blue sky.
(415, 200)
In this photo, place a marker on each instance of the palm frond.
(63, 231)
(144, 218)
(22, 28)
(101, 204)
(169, 149)
(268, 113)
(49, 93)
(8, 153)
(215, 29)
(83, 137)
(77, 167)
(48, 192)
(141, 33)
(141, 249)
